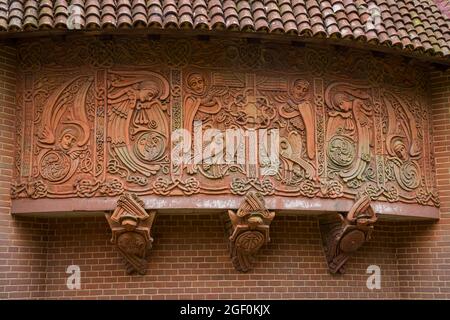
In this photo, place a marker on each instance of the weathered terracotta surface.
(344, 234)
(131, 225)
(97, 118)
(248, 228)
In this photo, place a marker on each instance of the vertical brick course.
(424, 247)
(22, 241)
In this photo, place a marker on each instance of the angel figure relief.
(64, 134)
(297, 147)
(201, 102)
(138, 120)
(402, 144)
(349, 134)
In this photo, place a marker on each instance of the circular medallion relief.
(250, 241)
(131, 243)
(409, 175)
(150, 146)
(352, 241)
(341, 151)
(55, 166)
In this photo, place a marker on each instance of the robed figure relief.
(202, 102)
(200, 97)
(64, 133)
(349, 132)
(138, 121)
(297, 144)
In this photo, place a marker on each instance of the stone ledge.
(206, 204)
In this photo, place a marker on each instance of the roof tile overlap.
(413, 25)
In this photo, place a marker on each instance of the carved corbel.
(131, 225)
(248, 229)
(343, 235)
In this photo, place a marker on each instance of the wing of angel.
(60, 106)
(46, 135)
(121, 105)
(401, 123)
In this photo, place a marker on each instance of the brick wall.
(190, 260)
(22, 241)
(424, 248)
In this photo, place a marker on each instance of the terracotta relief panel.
(104, 119)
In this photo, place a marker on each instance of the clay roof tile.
(421, 25)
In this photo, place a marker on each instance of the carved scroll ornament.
(131, 225)
(345, 234)
(347, 124)
(249, 230)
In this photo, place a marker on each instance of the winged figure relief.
(349, 130)
(138, 123)
(296, 108)
(64, 133)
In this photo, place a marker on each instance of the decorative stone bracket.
(130, 225)
(343, 235)
(249, 230)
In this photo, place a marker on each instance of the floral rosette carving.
(239, 186)
(334, 189)
(267, 187)
(112, 188)
(341, 151)
(391, 194)
(162, 186)
(308, 189)
(190, 186)
(86, 188)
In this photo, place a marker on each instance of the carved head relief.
(197, 83)
(400, 149)
(68, 139)
(342, 102)
(300, 89)
(147, 91)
